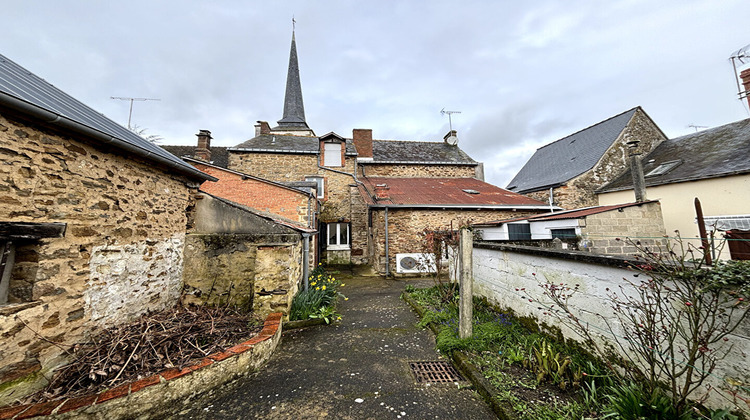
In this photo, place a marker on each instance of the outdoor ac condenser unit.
(415, 263)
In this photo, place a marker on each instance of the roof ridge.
(410, 141)
(590, 127)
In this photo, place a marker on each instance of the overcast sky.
(522, 74)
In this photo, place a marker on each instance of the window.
(519, 231)
(338, 236)
(332, 154)
(664, 168)
(321, 185)
(563, 233)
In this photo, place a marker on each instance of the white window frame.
(332, 157)
(321, 189)
(337, 246)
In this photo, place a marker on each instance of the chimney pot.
(362, 139)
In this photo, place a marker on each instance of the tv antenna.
(130, 114)
(696, 127)
(450, 123)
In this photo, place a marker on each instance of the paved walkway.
(357, 369)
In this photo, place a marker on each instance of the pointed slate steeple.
(294, 108)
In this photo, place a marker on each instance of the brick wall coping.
(564, 254)
(271, 329)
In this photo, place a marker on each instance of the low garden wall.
(510, 276)
(158, 396)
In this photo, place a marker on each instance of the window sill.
(338, 248)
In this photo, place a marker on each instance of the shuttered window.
(332, 154)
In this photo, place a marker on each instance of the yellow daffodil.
(343, 284)
(324, 287)
(313, 283)
(346, 298)
(318, 288)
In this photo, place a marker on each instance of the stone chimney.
(362, 139)
(636, 169)
(381, 192)
(745, 76)
(203, 151)
(262, 128)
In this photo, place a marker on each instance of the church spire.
(294, 108)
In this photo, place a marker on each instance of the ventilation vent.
(471, 191)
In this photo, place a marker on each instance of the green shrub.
(323, 292)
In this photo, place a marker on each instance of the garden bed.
(527, 374)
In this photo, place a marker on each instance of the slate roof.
(712, 153)
(448, 192)
(26, 92)
(275, 143)
(554, 164)
(219, 155)
(418, 152)
(294, 107)
(567, 214)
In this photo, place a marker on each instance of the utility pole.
(130, 114)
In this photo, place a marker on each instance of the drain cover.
(435, 372)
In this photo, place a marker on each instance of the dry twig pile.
(172, 338)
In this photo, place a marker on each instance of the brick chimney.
(362, 139)
(262, 128)
(203, 151)
(381, 192)
(745, 76)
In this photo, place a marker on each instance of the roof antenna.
(131, 104)
(743, 56)
(450, 123)
(696, 127)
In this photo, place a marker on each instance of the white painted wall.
(512, 280)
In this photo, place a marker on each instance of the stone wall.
(114, 206)
(406, 225)
(418, 171)
(509, 277)
(579, 191)
(609, 232)
(235, 257)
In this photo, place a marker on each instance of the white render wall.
(510, 279)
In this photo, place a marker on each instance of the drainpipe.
(306, 259)
(551, 200)
(387, 271)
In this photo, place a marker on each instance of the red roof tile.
(442, 191)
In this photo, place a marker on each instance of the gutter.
(66, 123)
(460, 206)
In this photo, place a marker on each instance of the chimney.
(262, 128)
(745, 76)
(203, 151)
(362, 139)
(451, 138)
(636, 169)
(381, 192)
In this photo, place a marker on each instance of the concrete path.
(357, 369)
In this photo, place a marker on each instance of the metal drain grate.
(435, 372)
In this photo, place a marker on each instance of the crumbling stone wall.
(579, 191)
(406, 225)
(418, 171)
(642, 223)
(113, 206)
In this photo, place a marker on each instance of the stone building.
(573, 167)
(712, 165)
(351, 221)
(93, 221)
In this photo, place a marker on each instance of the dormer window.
(332, 154)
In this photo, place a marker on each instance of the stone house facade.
(574, 167)
(120, 204)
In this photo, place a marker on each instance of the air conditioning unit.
(415, 263)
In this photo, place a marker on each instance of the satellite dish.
(451, 140)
